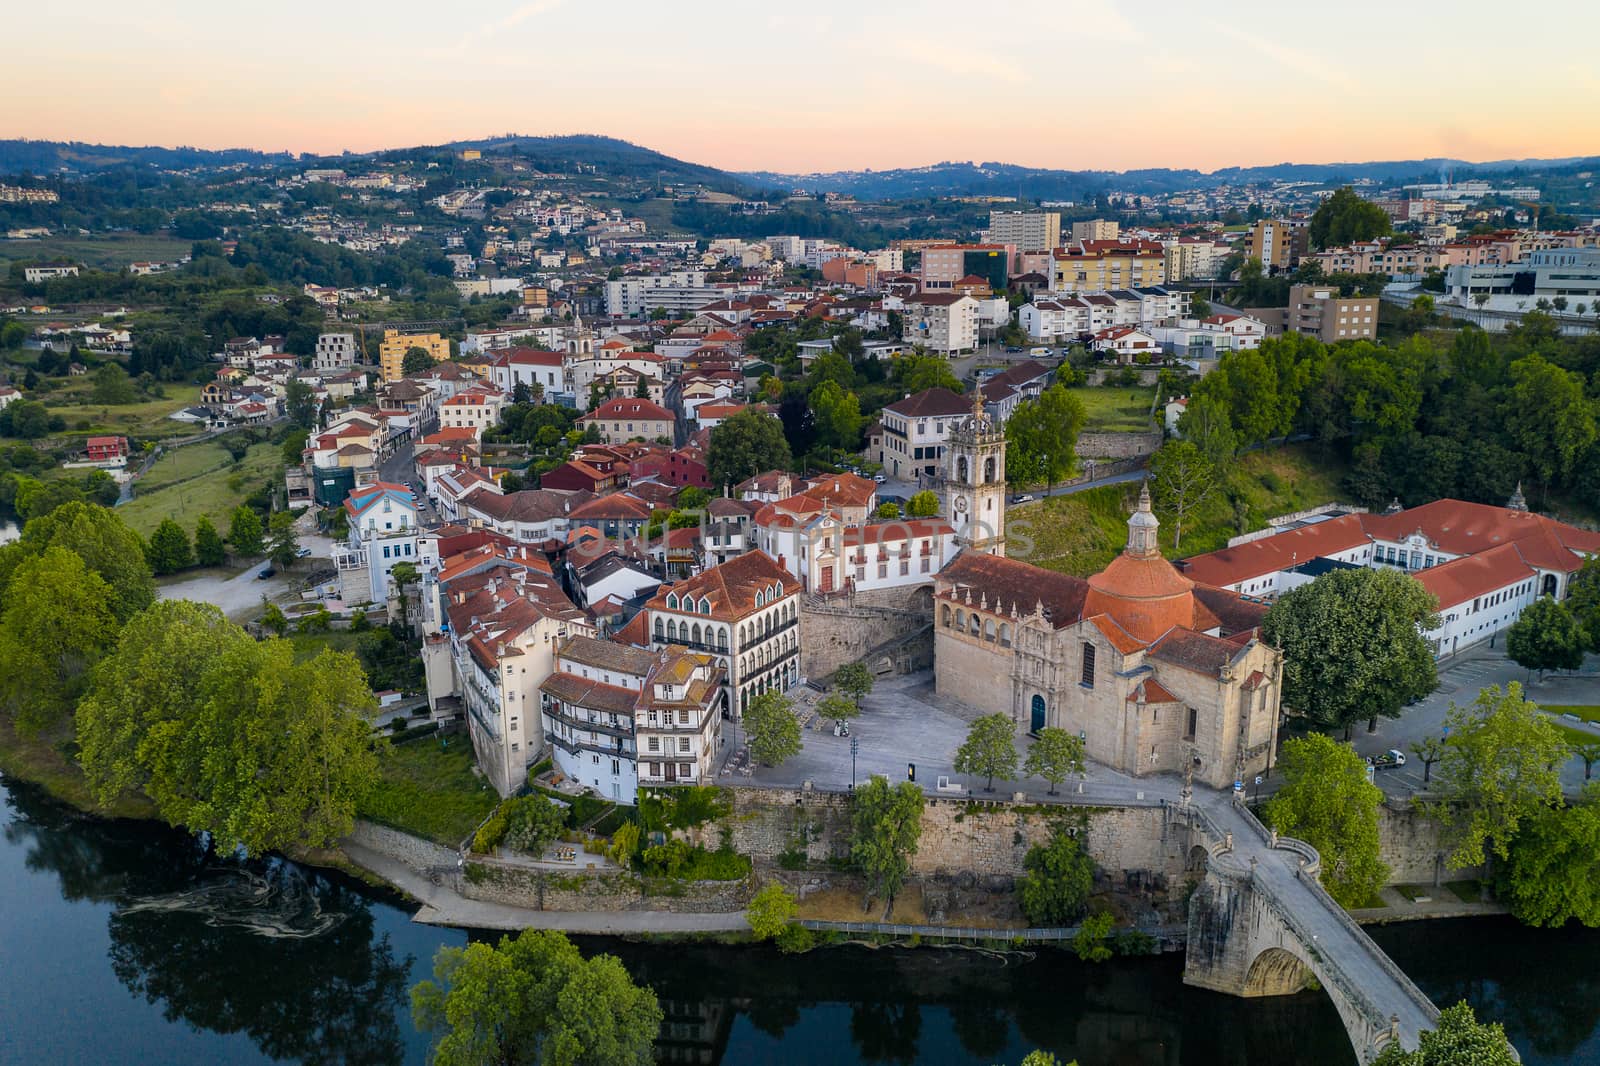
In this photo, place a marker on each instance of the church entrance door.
(1036, 721)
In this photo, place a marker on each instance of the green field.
(112, 251)
(430, 791)
(210, 490)
(1117, 409)
(1081, 533)
(146, 420)
(1588, 712)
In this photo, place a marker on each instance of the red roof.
(626, 409)
(1477, 575)
(1230, 566)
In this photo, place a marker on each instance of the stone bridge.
(1260, 924)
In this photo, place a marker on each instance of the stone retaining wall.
(1118, 445)
(831, 636)
(1411, 845)
(598, 890)
(415, 852)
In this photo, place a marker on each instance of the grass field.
(111, 252)
(147, 419)
(1588, 712)
(1117, 409)
(1081, 533)
(430, 791)
(212, 493)
(1576, 737)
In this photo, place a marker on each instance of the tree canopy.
(1553, 873)
(1054, 755)
(1351, 645)
(747, 444)
(990, 750)
(1042, 437)
(1459, 1040)
(97, 536)
(1546, 637)
(1327, 801)
(1059, 879)
(885, 831)
(771, 729)
(1345, 217)
(55, 622)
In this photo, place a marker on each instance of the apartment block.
(1096, 229)
(1319, 310)
(335, 351)
(1097, 266)
(1027, 231)
(394, 346)
(1277, 242)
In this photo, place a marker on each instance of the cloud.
(518, 15)
(1293, 59)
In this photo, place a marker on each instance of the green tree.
(1054, 755)
(245, 532)
(1553, 873)
(888, 510)
(1546, 637)
(208, 546)
(28, 419)
(300, 404)
(1353, 647)
(918, 372)
(534, 999)
(1550, 417)
(771, 729)
(273, 618)
(924, 504)
(693, 498)
(533, 823)
(55, 622)
(990, 750)
(1182, 478)
(885, 831)
(1207, 420)
(169, 550)
(1327, 801)
(1590, 754)
(838, 706)
(1093, 942)
(854, 680)
(769, 911)
(748, 443)
(836, 415)
(1501, 765)
(1345, 217)
(1459, 1040)
(1428, 752)
(283, 545)
(417, 360)
(112, 386)
(1042, 437)
(100, 538)
(1058, 882)
(1583, 600)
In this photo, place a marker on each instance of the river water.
(126, 943)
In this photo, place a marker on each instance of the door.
(672, 771)
(827, 579)
(1036, 720)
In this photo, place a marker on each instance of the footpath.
(443, 905)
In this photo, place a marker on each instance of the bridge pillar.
(1224, 954)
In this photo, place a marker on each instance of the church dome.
(1143, 592)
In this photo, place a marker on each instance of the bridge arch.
(1276, 972)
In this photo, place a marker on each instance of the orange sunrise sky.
(822, 86)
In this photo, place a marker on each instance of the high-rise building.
(1277, 242)
(1028, 231)
(1096, 229)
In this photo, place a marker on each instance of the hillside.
(45, 157)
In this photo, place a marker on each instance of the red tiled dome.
(1145, 595)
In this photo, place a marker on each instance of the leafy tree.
(417, 360)
(283, 545)
(1590, 754)
(533, 823)
(169, 550)
(885, 830)
(693, 498)
(55, 621)
(208, 546)
(1583, 600)
(769, 911)
(1345, 217)
(1459, 1040)
(1042, 437)
(1546, 637)
(1428, 752)
(25, 419)
(97, 536)
(746, 444)
(534, 999)
(1553, 874)
(245, 532)
(1501, 766)
(1181, 479)
(836, 415)
(918, 372)
(1054, 755)
(924, 504)
(771, 729)
(112, 386)
(300, 404)
(1327, 801)
(1094, 935)
(1351, 645)
(1549, 417)
(273, 618)
(854, 680)
(1058, 882)
(838, 706)
(1207, 420)
(888, 510)
(989, 750)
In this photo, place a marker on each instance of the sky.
(819, 85)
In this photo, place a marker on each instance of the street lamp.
(855, 746)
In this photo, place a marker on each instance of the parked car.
(1023, 497)
(1388, 760)
(266, 572)
(879, 478)
(303, 553)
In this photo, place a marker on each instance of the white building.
(335, 351)
(384, 532)
(477, 409)
(1572, 274)
(943, 323)
(527, 366)
(914, 431)
(637, 295)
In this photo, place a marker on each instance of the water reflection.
(264, 949)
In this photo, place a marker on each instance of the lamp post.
(855, 746)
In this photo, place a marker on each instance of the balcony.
(693, 645)
(556, 713)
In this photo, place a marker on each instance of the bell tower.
(972, 487)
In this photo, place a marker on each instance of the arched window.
(961, 469)
(944, 618)
(672, 630)
(672, 601)
(694, 634)
(974, 626)
(722, 639)
(1005, 634)
(988, 630)
(961, 618)
(705, 605)
(660, 629)
(759, 597)
(988, 469)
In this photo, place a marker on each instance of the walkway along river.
(127, 943)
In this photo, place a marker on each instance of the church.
(1154, 671)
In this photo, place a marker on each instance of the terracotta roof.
(616, 505)
(1016, 587)
(731, 586)
(1195, 652)
(635, 633)
(590, 694)
(1462, 528)
(1477, 575)
(931, 403)
(630, 408)
(1229, 566)
(843, 490)
(1152, 691)
(1233, 612)
(606, 655)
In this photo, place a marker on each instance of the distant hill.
(1035, 183)
(51, 157)
(609, 157)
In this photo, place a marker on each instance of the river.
(126, 942)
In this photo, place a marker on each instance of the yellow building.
(394, 346)
(1277, 242)
(471, 153)
(1100, 266)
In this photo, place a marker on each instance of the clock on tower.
(972, 486)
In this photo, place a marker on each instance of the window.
(655, 743)
(1194, 718)
(683, 744)
(685, 769)
(683, 716)
(1087, 680)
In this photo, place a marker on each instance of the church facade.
(1153, 670)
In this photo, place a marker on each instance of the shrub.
(491, 832)
(624, 844)
(795, 939)
(770, 911)
(1091, 941)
